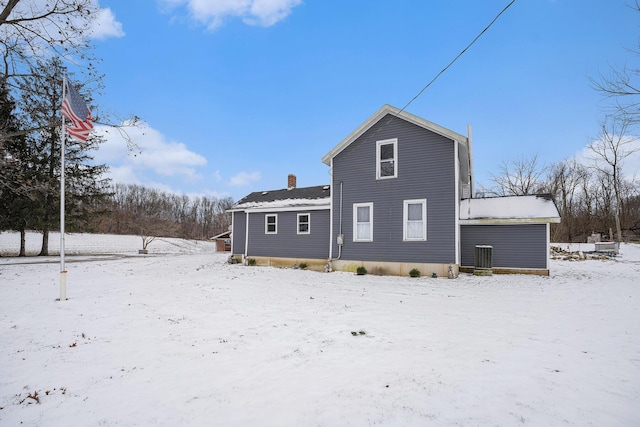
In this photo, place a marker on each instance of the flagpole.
(63, 271)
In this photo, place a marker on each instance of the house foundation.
(397, 268)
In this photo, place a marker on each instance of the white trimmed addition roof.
(388, 109)
(510, 209)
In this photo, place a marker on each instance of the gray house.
(399, 198)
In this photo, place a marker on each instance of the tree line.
(588, 195)
(150, 213)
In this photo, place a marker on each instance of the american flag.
(75, 109)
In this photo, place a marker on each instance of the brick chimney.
(291, 181)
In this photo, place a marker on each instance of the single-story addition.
(400, 198)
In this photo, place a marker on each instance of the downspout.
(233, 215)
(458, 181)
(340, 237)
(246, 238)
(470, 161)
(330, 214)
(340, 224)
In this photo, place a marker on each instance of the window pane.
(363, 231)
(387, 168)
(414, 211)
(414, 230)
(303, 227)
(386, 152)
(304, 218)
(363, 214)
(271, 223)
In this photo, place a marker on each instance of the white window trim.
(308, 223)
(355, 221)
(266, 224)
(405, 220)
(379, 144)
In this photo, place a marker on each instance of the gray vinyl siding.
(238, 233)
(426, 170)
(514, 246)
(287, 243)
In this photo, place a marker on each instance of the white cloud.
(74, 27)
(243, 179)
(153, 158)
(268, 12)
(253, 12)
(630, 164)
(105, 25)
(125, 174)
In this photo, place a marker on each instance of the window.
(415, 220)
(387, 158)
(271, 224)
(303, 223)
(363, 222)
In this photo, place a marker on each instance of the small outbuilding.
(223, 241)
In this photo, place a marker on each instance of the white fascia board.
(388, 109)
(289, 208)
(503, 221)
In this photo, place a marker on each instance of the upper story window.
(415, 219)
(363, 222)
(304, 222)
(387, 158)
(271, 224)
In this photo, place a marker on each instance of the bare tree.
(622, 84)
(520, 177)
(609, 150)
(31, 29)
(148, 212)
(564, 182)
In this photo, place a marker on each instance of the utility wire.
(459, 55)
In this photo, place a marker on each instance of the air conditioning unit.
(483, 260)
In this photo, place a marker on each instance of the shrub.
(361, 271)
(302, 265)
(251, 261)
(414, 273)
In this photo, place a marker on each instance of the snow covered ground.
(179, 337)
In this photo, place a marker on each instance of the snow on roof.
(283, 204)
(535, 208)
(296, 198)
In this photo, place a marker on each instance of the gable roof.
(378, 115)
(509, 209)
(316, 197)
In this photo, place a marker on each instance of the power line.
(459, 55)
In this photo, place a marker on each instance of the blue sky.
(235, 95)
